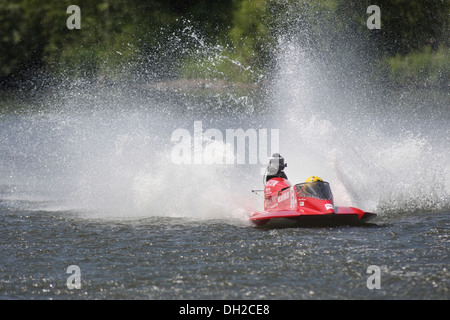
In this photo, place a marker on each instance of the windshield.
(317, 189)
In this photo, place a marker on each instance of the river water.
(101, 193)
(94, 203)
(181, 258)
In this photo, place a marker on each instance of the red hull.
(285, 206)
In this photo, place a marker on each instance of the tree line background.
(232, 40)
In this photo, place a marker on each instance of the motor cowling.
(274, 188)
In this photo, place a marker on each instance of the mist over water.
(108, 155)
(87, 178)
(381, 150)
(105, 151)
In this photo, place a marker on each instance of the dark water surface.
(88, 179)
(181, 258)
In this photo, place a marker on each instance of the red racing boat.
(304, 204)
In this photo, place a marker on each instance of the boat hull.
(293, 218)
(300, 205)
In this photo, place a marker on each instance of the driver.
(313, 178)
(308, 188)
(276, 167)
(315, 187)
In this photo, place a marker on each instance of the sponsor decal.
(271, 183)
(292, 197)
(283, 196)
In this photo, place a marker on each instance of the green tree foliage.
(234, 40)
(409, 25)
(429, 68)
(19, 38)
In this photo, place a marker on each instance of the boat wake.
(107, 153)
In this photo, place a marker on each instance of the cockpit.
(316, 189)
